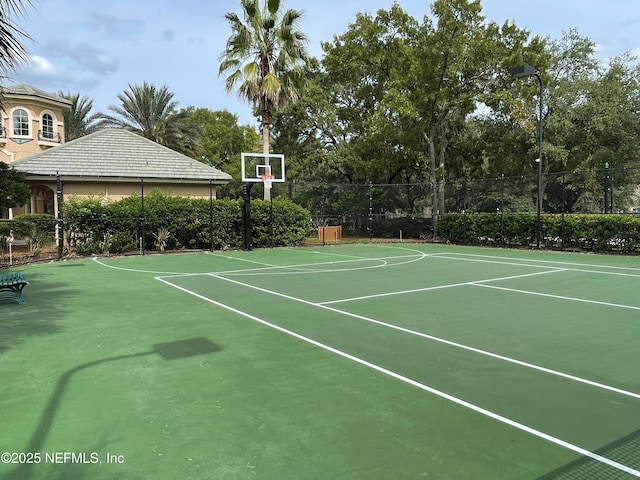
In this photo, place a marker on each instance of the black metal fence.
(28, 239)
(395, 210)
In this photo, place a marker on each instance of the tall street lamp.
(527, 71)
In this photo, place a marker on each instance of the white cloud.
(40, 67)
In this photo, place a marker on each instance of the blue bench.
(14, 283)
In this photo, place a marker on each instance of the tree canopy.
(14, 190)
(11, 49)
(266, 59)
(150, 111)
(79, 121)
(397, 100)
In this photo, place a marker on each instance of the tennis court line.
(540, 264)
(437, 287)
(421, 386)
(560, 297)
(436, 339)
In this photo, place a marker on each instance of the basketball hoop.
(267, 179)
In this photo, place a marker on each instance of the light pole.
(527, 71)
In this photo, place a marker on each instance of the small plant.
(161, 239)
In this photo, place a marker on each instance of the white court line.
(437, 287)
(228, 257)
(291, 269)
(560, 297)
(267, 269)
(95, 259)
(436, 339)
(302, 269)
(542, 263)
(419, 385)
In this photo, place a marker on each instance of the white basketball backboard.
(255, 165)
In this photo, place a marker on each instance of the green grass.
(261, 372)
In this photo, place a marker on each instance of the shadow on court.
(625, 451)
(168, 351)
(45, 305)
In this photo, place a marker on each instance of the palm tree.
(151, 112)
(11, 50)
(266, 58)
(78, 122)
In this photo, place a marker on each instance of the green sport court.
(373, 361)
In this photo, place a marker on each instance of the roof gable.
(118, 153)
(29, 91)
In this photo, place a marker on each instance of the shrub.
(117, 227)
(596, 233)
(38, 229)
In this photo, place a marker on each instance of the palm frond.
(12, 53)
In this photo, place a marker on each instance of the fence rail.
(396, 210)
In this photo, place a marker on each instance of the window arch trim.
(20, 123)
(47, 126)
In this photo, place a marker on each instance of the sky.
(99, 48)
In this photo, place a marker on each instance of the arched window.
(20, 122)
(47, 126)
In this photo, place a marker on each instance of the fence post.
(434, 214)
(370, 225)
(563, 212)
(60, 222)
(211, 211)
(502, 211)
(246, 192)
(142, 219)
(607, 187)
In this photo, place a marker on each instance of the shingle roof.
(118, 154)
(29, 91)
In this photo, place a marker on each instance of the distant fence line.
(373, 210)
(357, 207)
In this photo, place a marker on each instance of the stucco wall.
(117, 191)
(14, 148)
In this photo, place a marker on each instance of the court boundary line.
(436, 287)
(418, 254)
(444, 341)
(414, 383)
(549, 263)
(559, 297)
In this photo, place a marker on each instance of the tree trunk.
(432, 180)
(266, 120)
(441, 181)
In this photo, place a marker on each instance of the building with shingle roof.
(27, 91)
(112, 164)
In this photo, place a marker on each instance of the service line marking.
(438, 287)
(435, 339)
(559, 297)
(402, 378)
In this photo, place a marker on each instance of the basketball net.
(267, 179)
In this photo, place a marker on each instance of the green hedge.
(36, 229)
(417, 228)
(595, 233)
(180, 223)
